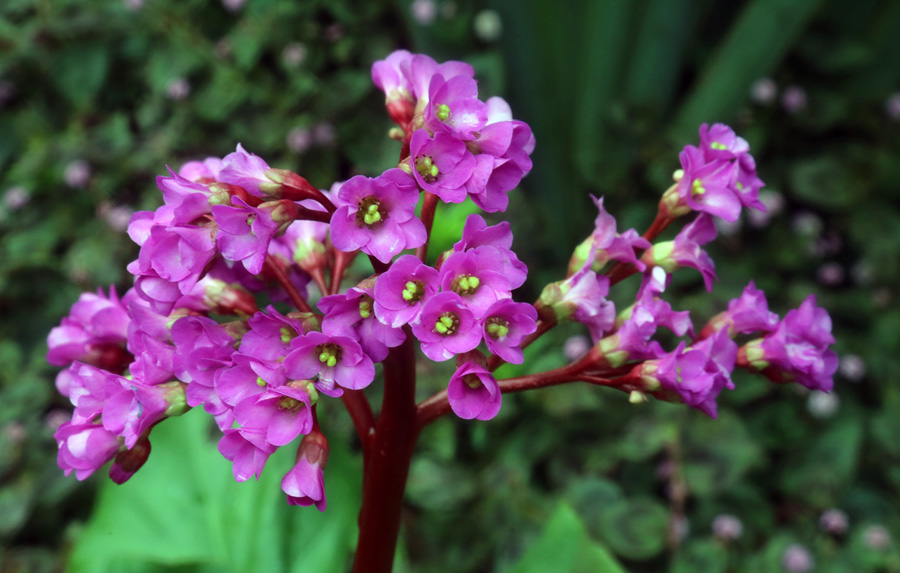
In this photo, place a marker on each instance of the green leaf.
(183, 509)
(827, 183)
(635, 528)
(80, 71)
(742, 59)
(704, 555)
(565, 546)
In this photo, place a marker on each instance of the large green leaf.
(183, 509)
(743, 58)
(564, 545)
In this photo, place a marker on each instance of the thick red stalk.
(428, 207)
(385, 472)
(294, 294)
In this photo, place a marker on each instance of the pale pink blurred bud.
(793, 99)
(576, 346)
(487, 25)
(852, 367)
(807, 224)
(830, 274)
(134, 5)
(774, 202)
(822, 404)
(299, 139)
(7, 90)
(57, 418)
(77, 174)
(334, 32)
(16, 197)
(233, 5)
(177, 89)
(892, 106)
(763, 91)
(797, 559)
(116, 217)
(293, 55)
(223, 49)
(423, 11)
(727, 527)
(833, 521)
(323, 134)
(728, 228)
(15, 433)
(876, 537)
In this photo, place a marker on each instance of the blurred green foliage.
(97, 96)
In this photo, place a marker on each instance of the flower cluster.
(233, 231)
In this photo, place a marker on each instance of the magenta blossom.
(244, 233)
(685, 250)
(334, 360)
(84, 448)
(248, 451)
(441, 165)
(304, 484)
(447, 327)
(707, 187)
(582, 298)
(283, 412)
(454, 107)
(400, 292)
(245, 170)
(473, 392)
(798, 350)
(379, 216)
(94, 333)
(746, 314)
(506, 324)
(474, 275)
(353, 314)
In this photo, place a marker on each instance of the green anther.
(497, 330)
(323, 357)
(365, 308)
(371, 218)
(260, 382)
(331, 361)
(472, 381)
(474, 282)
(411, 292)
(287, 334)
(440, 328)
(442, 112)
(697, 188)
(426, 168)
(465, 284)
(717, 145)
(446, 321)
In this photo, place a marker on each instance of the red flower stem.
(341, 260)
(384, 476)
(621, 271)
(319, 279)
(363, 420)
(436, 406)
(310, 215)
(428, 208)
(296, 298)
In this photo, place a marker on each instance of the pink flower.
(379, 216)
(473, 392)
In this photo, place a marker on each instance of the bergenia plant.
(220, 315)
